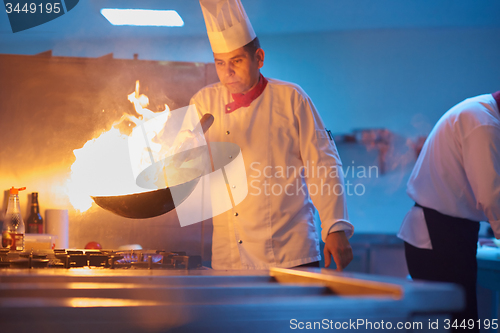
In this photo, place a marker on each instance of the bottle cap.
(16, 190)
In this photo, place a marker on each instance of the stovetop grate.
(110, 259)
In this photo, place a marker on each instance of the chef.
(455, 184)
(291, 162)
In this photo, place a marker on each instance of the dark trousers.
(452, 258)
(311, 264)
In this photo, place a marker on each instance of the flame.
(89, 302)
(102, 166)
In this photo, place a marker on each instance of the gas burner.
(154, 260)
(109, 259)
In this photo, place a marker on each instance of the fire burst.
(102, 166)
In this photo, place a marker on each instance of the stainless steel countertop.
(141, 300)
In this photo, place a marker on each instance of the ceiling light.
(143, 17)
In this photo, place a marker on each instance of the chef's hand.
(338, 246)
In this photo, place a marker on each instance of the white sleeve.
(481, 158)
(196, 101)
(319, 154)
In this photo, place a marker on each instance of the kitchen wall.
(402, 80)
(398, 79)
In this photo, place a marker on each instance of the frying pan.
(153, 203)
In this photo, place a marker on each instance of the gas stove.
(99, 259)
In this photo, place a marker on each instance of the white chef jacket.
(279, 133)
(458, 170)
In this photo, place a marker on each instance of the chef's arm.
(481, 155)
(328, 195)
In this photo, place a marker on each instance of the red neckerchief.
(244, 100)
(496, 96)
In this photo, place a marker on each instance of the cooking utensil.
(157, 202)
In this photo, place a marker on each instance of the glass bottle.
(13, 224)
(34, 223)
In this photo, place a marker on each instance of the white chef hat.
(228, 27)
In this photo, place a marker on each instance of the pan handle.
(206, 121)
